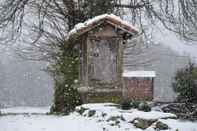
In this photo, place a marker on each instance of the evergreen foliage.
(65, 73)
(143, 106)
(185, 84)
(85, 9)
(93, 8)
(140, 105)
(126, 105)
(66, 68)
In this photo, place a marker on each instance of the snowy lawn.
(25, 110)
(93, 117)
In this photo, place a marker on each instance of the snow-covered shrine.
(101, 42)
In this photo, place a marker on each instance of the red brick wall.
(138, 88)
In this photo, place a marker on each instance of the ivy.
(66, 72)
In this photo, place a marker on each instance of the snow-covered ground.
(25, 110)
(100, 120)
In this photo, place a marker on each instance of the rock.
(103, 114)
(91, 113)
(115, 118)
(142, 123)
(81, 110)
(161, 126)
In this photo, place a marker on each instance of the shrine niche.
(101, 41)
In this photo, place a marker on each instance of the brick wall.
(138, 88)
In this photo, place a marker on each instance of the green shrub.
(65, 67)
(143, 106)
(135, 103)
(185, 84)
(65, 99)
(126, 105)
(65, 72)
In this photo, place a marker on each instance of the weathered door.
(103, 60)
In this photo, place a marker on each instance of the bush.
(135, 104)
(126, 105)
(143, 106)
(65, 72)
(65, 99)
(186, 84)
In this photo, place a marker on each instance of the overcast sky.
(184, 48)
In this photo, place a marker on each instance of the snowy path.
(74, 122)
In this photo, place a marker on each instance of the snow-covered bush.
(65, 74)
(126, 105)
(143, 106)
(66, 68)
(135, 104)
(186, 84)
(140, 105)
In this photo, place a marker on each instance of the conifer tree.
(185, 84)
(66, 67)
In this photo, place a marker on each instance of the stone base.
(89, 95)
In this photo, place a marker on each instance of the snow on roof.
(110, 17)
(139, 74)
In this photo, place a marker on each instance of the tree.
(65, 73)
(185, 84)
(51, 20)
(65, 70)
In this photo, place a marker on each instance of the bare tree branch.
(48, 21)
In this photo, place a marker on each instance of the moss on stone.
(96, 97)
(161, 126)
(114, 118)
(142, 123)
